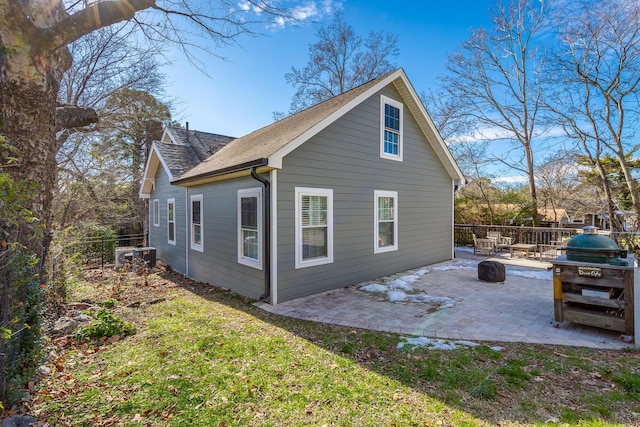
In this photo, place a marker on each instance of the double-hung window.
(156, 212)
(390, 129)
(171, 221)
(314, 226)
(197, 243)
(386, 221)
(250, 227)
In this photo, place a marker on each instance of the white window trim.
(242, 259)
(304, 191)
(386, 100)
(376, 238)
(194, 246)
(171, 202)
(155, 212)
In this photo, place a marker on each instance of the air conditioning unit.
(123, 255)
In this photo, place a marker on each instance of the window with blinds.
(171, 221)
(386, 221)
(250, 227)
(314, 226)
(196, 223)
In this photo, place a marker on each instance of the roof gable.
(154, 160)
(178, 151)
(275, 141)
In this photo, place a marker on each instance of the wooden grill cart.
(593, 294)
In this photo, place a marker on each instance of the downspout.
(187, 236)
(266, 243)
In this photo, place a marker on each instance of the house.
(602, 220)
(554, 217)
(357, 187)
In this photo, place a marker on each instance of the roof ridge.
(330, 99)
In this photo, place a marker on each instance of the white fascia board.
(150, 170)
(275, 160)
(168, 136)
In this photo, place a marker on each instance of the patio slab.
(518, 310)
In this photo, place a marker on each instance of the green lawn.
(206, 357)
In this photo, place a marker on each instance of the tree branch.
(70, 116)
(91, 18)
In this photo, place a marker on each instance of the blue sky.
(241, 93)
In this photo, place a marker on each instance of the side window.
(250, 227)
(171, 221)
(390, 129)
(196, 223)
(386, 221)
(314, 226)
(155, 213)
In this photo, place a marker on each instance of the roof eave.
(220, 172)
(151, 167)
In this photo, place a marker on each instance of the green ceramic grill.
(593, 247)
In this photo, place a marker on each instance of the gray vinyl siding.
(345, 157)
(218, 264)
(168, 254)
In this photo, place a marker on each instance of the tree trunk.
(28, 122)
(606, 188)
(532, 183)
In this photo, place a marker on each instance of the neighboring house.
(602, 220)
(357, 187)
(557, 217)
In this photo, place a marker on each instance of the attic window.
(390, 129)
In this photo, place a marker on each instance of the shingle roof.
(268, 140)
(187, 153)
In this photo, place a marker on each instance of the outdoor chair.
(501, 242)
(483, 246)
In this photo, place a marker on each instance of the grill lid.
(591, 241)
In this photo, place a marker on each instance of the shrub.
(105, 325)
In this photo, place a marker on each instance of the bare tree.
(598, 80)
(448, 115)
(110, 165)
(105, 61)
(495, 75)
(339, 61)
(557, 180)
(110, 59)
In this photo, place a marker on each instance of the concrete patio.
(518, 310)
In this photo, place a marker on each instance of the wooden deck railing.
(463, 235)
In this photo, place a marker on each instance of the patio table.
(525, 248)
